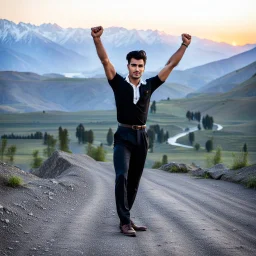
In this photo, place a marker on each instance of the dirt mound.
(61, 162)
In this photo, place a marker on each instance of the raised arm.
(175, 59)
(96, 33)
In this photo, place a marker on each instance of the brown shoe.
(138, 228)
(127, 230)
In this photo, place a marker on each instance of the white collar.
(128, 81)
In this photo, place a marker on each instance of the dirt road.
(75, 215)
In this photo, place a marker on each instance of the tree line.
(207, 121)
(36, 135)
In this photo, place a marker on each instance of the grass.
(14, 181)
(170, 116)
(177, 169)
(251, 183)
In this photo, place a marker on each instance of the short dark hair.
(138, 55)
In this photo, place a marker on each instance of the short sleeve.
(154, 82)
(115, 81)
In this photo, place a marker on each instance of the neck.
(134, 81)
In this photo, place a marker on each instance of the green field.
(237, 130)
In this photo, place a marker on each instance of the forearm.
(177, 56)
(100, 50)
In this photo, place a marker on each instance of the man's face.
(136, 68)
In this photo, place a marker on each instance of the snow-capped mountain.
(62, 50)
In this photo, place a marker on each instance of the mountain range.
(29, 92)
(49, 48)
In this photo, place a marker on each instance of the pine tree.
(197, 146)
(90, 136)
(188, 115)
(165, 159)
(245, 148)
(79, 133)
(151, 137)
(110, 137)
(51, 144)
(85, 137)
(11, 153)
(209, 145)
(153, 107)
(3, 147)
(166, 136)
(60, 133)
(64, 140)
(218, 156)
(45, 138)
(191, 137)
(37, 161)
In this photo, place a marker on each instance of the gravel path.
(74, 214)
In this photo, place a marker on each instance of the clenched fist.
(186, 38)
(96, 31)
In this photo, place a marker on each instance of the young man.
(132, 96)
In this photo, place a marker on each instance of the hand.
(186, 38)
(96, 31)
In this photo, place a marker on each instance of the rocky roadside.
(28, 210)
(245, 176)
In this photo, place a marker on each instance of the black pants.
(130, 151)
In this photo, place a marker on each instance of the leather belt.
(134, 127)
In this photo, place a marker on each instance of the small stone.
(10, 248)
(50, 197)
(26, 232)
(20, 225)
(30, 214)
(6, 221)
(1, 207)
(51, 193)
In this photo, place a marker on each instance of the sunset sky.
(231, 21)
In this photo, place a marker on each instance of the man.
(132, 96)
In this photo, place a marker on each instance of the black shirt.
(127, 111)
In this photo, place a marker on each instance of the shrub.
(251, 183)
(239, 160)
(164, 159)
(208, 161)
(177, 169)
(157, 165)
(197, 146)
(209, 145)
(218, 156)
(14, 181)
(97, 154)
(206, 175)
(37, 161)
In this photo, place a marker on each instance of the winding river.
(172, 140)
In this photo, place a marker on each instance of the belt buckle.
(135, 127)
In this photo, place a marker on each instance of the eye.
(141, 66)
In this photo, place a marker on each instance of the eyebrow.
(135, 65)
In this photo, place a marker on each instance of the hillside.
(28, 92)
(229, 81)
(245, 89)
(211, 71)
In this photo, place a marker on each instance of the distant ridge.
(231, 80)
(60, 50)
